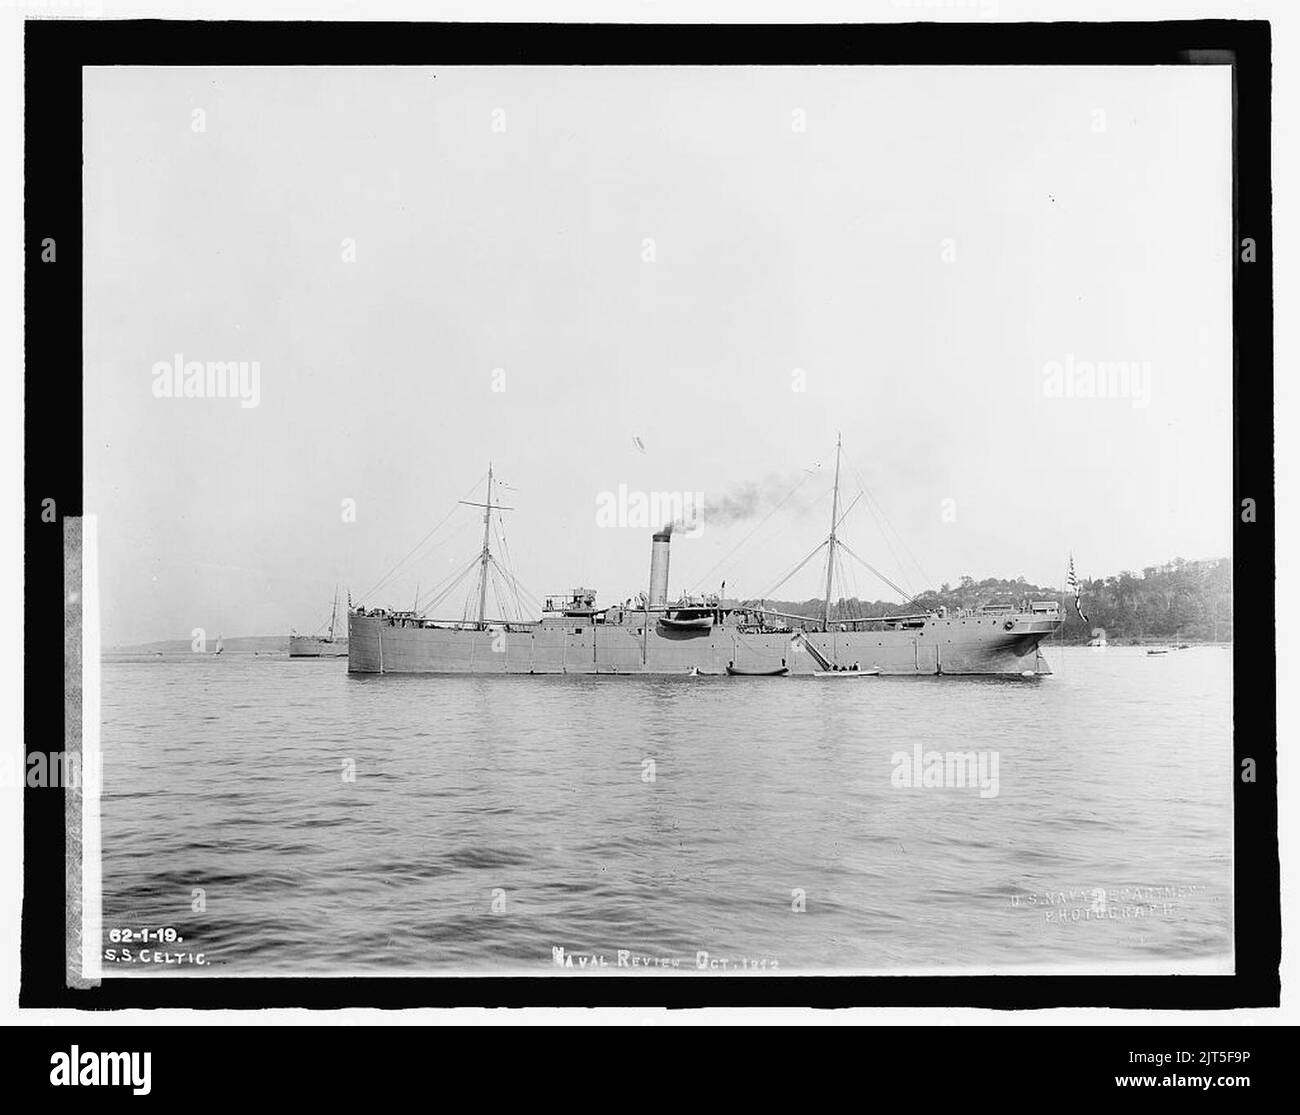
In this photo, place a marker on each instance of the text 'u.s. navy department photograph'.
(688, 520)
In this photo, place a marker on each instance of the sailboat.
(220, 645)
(318, 646)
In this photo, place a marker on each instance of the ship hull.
(312, 646)
(972, 645)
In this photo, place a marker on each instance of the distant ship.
(695, 635)
(320, 646)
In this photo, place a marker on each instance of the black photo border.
(56, 51)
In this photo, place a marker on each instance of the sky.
(684, 279)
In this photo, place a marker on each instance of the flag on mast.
(1072, 583)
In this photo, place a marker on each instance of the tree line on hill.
(1190, 601)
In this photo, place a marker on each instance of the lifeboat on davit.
(686, 623)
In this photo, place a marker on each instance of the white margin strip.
(91, 760)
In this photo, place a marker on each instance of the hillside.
(1190, 600)
(239, 644)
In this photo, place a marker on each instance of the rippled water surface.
(340, 824)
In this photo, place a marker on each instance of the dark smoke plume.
(749, 500)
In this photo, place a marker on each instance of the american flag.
(1072, 583)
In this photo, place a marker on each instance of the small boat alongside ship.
(649, 634)
(848, 672)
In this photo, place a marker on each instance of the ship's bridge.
(576, 602)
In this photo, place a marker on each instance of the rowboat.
(873, 672)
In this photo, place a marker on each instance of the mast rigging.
(835, 516)
(485, 558)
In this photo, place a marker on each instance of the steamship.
(692, 635)
(320, 646)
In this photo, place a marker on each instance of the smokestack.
(659, 568)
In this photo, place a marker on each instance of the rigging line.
(848, 588)
(500, 533)
(519, 606)
(884, 535)
(433, 603)
(410, 554)
(447, 541)
(436, 603)
(510, 601)
(903, 593)
(436, 589)
(742, 641)
(422, 541)
(505, 601)
(519, 587)
(850, 592)
(496, 592)
(510, 576)
(859, 604)
(925, 577)
(882, 522)
(512, 595)
(850, 507)
(534, 603)
(830, 573)
(509, 565)
(520, 591)
(805, 561)
(838, 570)
(513, 582)
(491, 584)
(875, 507)
(505, 572)
(725, 557)
(860, 591)
(320, 627)
(440, 582)
(430, 593)
(843, 582)
(506, 567)
(795, 570)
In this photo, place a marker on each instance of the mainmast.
(485, 559)
(830, 557)
(333, 613)
(487, 554)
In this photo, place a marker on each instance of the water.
(491, 820)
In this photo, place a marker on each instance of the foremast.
(830, 556)
(485, 557)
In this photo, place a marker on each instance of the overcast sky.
(925, 245)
